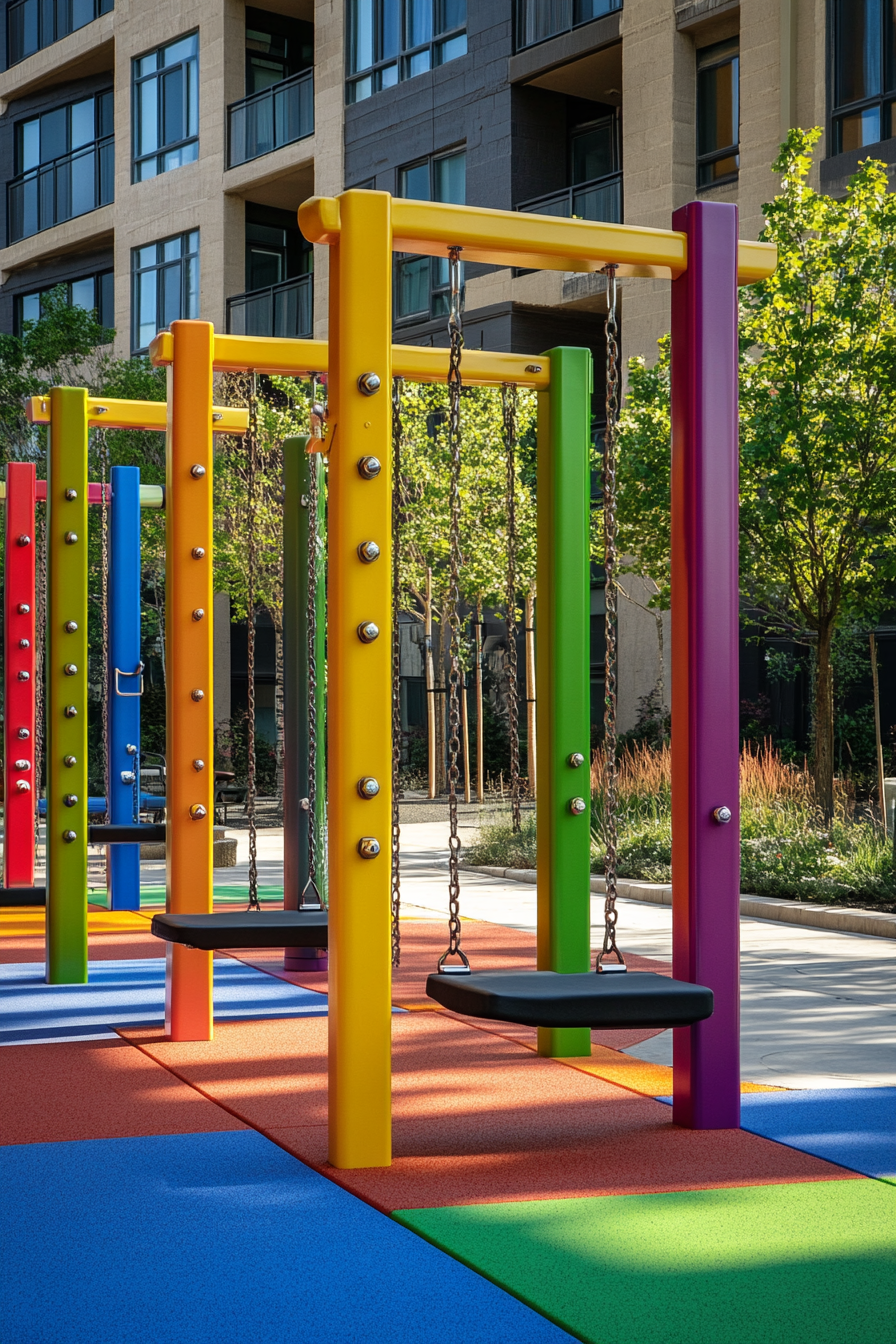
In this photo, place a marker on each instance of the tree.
(818, 435)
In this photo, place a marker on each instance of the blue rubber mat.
(852, 1126)
(224, 1239)
(130, 994)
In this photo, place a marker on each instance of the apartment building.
(155, 155)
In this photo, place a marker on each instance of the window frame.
(137, 82)
(707, 159)
(95, 276)
(885, 100)
(402, 59)
(437, 286)
(159, 266)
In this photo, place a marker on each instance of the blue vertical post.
(124, 681)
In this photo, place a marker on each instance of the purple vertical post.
(705, 737)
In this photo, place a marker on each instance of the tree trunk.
(431, 738)
(531, 757)
(823, 762)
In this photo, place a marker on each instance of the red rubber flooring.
(96, 1090)
(477, 1118)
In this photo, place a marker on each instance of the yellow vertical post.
(359, 681)
(189, 743)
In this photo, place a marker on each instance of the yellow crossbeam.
(545, 242)
(416, 363)
(113, 413)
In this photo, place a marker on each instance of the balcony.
(279, 310)
(71, 185)
(537, 20)
(270, 119)
(32, 25)
(599, 200)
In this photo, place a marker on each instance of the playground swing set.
(563, 998)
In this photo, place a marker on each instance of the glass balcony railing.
(66, 187)
(32, 25)
(272, 118)
(279, 310)
(600, 200)
(537, 20)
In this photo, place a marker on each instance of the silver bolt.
(23, 734)
(367, 632)
(722, 815)
(71, 538)
(71, 627)
(24, 643)
(71, 669)
(24, 676)
(577, 806)
(128, 776)
(197, 695)
(197, 812)
(70, 712)
(198, 765)
(368, 551)
(23, 609)
(369, 467)
(131, 749)
(23, 765)
(369, 383)
(69, 836)
(69, 761)
(533, 368)
(198, 552)
(368, 787)
(71, 800)
(71, 494)
(575, 759)
(23, 539)
(217, 415)
(368, 847)
(197, 471)
(198, 614)
(22, 786)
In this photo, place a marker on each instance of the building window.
(421, 283)
(390, 40)
(94, 293)
(864, 69)
(277, 47)
(64, 161)
(718, 113)
(35, 24)
(165, 285)
(166, 108)
(537, 20)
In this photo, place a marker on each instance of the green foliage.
(498, 846)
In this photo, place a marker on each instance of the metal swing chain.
(310, 897)
(611, 569)
(456, 335)
(103, 457)
(397, 385)
(509, 411)
(252, 468)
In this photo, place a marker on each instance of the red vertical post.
(705, 740)
(19, 765)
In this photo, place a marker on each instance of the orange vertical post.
(189, 744)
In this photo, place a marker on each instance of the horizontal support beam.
(113, 413)
(546, 242)
(416, 363)
(151, 496)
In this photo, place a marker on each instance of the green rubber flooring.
(806, 1263)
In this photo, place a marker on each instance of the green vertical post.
(66, 688)
(317, 464)
(298, 465)
(563, 681)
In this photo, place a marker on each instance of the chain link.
(611, 569)
(102, 448)
(509, 412)
(397, 386)
(456, 335)
(310, 898)
(251, 558)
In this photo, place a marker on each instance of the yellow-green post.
(66, 688)
(359, 684)
(562, 682)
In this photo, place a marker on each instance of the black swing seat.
(244, 928)
(580, 999)
(128, 833)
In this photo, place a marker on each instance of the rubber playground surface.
(180, 1191)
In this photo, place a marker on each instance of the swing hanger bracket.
(138, 672)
